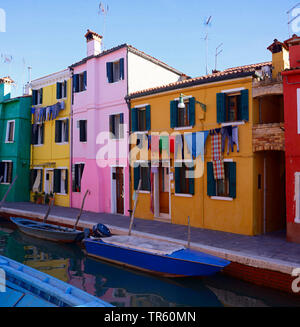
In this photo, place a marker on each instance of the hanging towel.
(235, 137)
(226, 133)
(196, 143)
(218, 163)
(164, 142)
(178, 147)
(154, 143)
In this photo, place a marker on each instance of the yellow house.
(179, 170)
(50, 149)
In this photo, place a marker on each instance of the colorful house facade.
(207, 152)
(291, 84)
(14, 143)
(100, 121)
(50, 138)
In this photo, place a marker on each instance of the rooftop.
(236, 72)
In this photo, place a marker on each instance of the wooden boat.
(158, 257)
(48, 231)
(23, 286)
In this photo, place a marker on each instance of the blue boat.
(158, 257)
(48, 231)
(23, 286)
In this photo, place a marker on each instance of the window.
(142, 173)
(60, 184)
(37, 134)
(224, 187)
(116, 126)
(232, 107)
(77, 171)
(6, 170)
(10, 131)
(37, 97)
(36, 180)
(182, 117)
(115, 71)
(82, 130)
(62, 131)
(141, 119)
(183, 184)
(80, 82)
(61, 90)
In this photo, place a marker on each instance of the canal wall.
(245, 265)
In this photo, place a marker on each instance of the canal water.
(128, 288)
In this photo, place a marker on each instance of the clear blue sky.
(49, 34)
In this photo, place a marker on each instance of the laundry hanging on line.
(196, 143)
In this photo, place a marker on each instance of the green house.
(15, 139)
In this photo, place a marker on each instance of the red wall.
(295, 56)
(291, 82)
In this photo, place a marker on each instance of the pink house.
(100, 121)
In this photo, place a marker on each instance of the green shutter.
(41, 96)
(191, 184)
(57, 180)
(42, 134)
(34, 97)
(136, 177)
(41, 182)
(174, 114)
(245, 105)
(177, 180)
(232, 180)
(134, 119)
(148, 118)
(221, 108)
(58, 127)
(192, 105)
(211, 183)
(67, 131)
(66, 182)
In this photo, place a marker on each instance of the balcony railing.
(268, 137)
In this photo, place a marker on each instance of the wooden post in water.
(7, 192)
(81, 209)
(51, 204)
(189, 233)
(135, 204)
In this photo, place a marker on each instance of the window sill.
(61, 143)
(221, 198)
(182, 128)
(184, 195)
(5, 183)
(143, 192)
(61, 194)
(9, 142)
(234, 123)
(37, 145)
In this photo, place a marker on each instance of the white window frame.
(5, 172)
(223, 198)
(64, 120)
(62, 182)
(7, 131)
(39, 135)
(118, 138)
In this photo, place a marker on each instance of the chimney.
(5, 88)
(280, 58)
(294, 46)
(93, 43)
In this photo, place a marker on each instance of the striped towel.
(217, 159)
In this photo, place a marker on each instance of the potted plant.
(47, 198)
(35, 197)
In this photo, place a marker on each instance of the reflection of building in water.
(41, 261)
(3, 241)
(149, 300)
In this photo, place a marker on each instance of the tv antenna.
(289, 17)
(207, 24)
(217, 53)
(103, 10)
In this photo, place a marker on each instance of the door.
(120, 190)
(48, 181)
(164, 190)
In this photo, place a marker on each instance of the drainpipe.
(129, 129)
(265, 194)
(71, 140)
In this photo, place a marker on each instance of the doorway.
(48, 181)
(118, 190)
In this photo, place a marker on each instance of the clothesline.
(47, 113)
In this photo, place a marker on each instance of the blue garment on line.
(196, 143)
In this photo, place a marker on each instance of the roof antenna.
(207, 24)
(289, 17)
(103, 10)
(216, 56)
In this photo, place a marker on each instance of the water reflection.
(127, 288)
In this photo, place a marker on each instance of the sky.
(48, 35)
